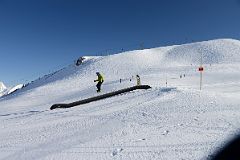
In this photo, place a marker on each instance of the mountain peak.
(2, 87)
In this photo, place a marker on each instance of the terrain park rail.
(96, 98)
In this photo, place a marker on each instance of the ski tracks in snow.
(145, 124)
(55, 139)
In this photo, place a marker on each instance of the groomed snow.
(173, 121)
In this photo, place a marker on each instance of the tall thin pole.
(200, 80)
(201, 72)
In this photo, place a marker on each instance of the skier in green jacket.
(100, 80)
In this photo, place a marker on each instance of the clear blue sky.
(39, 36)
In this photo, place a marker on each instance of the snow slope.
(4, 91)
(17, 87)
(2, 88)
(176, 121)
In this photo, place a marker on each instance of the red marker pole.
(200, 69)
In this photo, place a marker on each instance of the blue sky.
(40, 36)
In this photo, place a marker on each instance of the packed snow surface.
(172, 120)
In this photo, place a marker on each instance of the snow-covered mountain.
(173, 120)
(216, 51)
(2, 88)
(4, 91)
(15, 88)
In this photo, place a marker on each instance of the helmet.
(97, 73)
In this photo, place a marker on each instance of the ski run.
(173, 119)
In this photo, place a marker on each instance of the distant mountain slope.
(127, 64)
(2, 88)
(214, 51)
(130, 63)
(4, 91)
